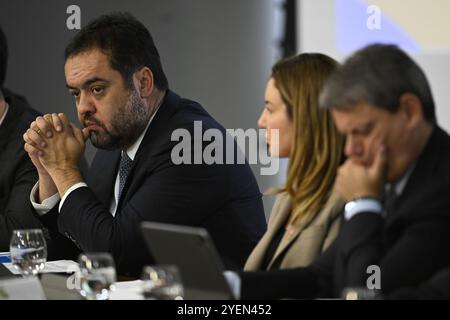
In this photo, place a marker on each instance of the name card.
(28, 288)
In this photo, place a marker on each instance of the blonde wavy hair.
(317, 147)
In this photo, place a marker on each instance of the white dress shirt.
(49, 203)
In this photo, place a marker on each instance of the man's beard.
(127, 124)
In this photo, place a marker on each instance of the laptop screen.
(192, 250)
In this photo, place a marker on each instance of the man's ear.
(412, 109)
(145, 83)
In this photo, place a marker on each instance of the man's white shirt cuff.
(234, 282)
(46, 205)
(69, 191)
(352, 208)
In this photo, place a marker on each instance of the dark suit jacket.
(17, 173)
(438, 287)
(409, 245)
(224, 199)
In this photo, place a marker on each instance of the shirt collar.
(401, 183)
(132, 150)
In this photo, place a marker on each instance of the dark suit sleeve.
(58, 245)
(18, 213)
(438, 287)
(416, 254)
(299, 283)
(172, 194)
(309, 282)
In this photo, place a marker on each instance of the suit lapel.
(280, 211)
(281, 215)
(149, 147)
(290, 235)
(331, 209)
(424, 168)
(103, 175)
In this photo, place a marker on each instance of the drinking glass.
(96, 275)
(360, 293)
(28, 251)
(162, 282)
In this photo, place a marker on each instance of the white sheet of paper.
(67, 266)
(127, 290)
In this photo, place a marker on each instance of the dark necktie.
(389, 198)
(124, 170)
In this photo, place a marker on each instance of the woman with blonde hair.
(305, 217)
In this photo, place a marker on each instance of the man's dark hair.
(127, 43)
(3, 57)
(379, 75)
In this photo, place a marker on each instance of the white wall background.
(316, 32)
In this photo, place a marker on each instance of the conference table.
(56, 286)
